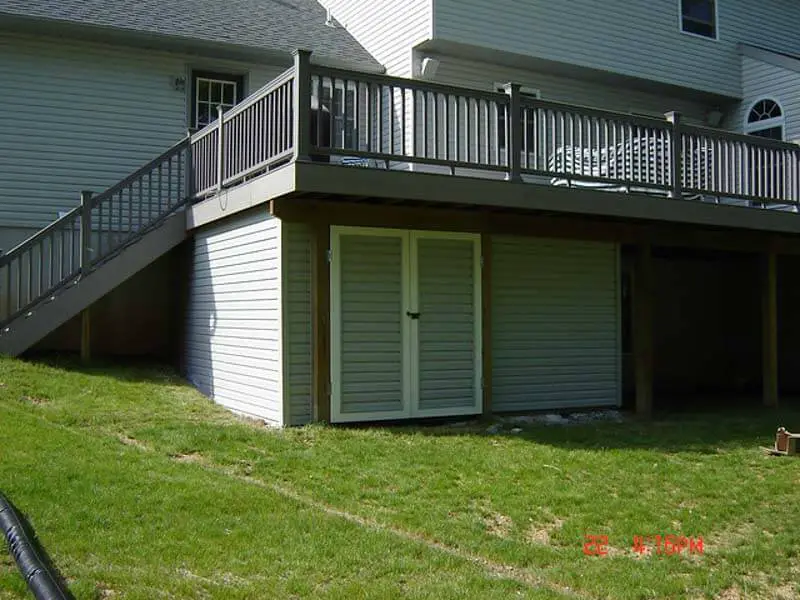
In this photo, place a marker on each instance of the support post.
(86, 335)
(301, 112)
(769, 314)
(189, 167)
(86, 231)
(676, 156)
(320, 323)
(220, 147)
(643, 329)
(486, 321)
(514, 132)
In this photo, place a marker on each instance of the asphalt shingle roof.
(281, 25)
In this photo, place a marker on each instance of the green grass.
(140, 488)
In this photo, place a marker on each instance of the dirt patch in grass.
(34, 400)
(731, 593)
(129, 441)
(540, 534)
(191, 457)
(497, 524)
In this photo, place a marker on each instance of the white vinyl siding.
(641, 38)
(761, 81)
(81, 116)
(297, 321)
(555, 324)
(448, 352)
(234, 340)
(486, 76)
(386, 28)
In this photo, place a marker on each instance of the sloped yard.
(140, 488)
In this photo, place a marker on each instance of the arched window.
(765, 119)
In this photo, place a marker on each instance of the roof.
(260, 25)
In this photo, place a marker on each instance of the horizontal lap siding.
(371, 324)
(762, 80)
(297, 239)
(233, 344)
(447, 345)
(555, 324)
(78, 115)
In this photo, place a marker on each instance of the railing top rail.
(141, 171)
(644, 121)
(42, 233)
(408, 84)
(732, 136)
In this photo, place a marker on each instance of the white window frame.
(751, 127)
(715, 37)
(201, 75)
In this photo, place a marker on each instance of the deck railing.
(315, 112)
(92, 232)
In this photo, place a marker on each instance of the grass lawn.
(140, 488)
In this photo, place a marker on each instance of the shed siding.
(297, 321)
(640, 38)
(386, 28)
(371, 380)
(79, 115)
(555, 324)
(762, 80)
(234, 330)
(446, 330)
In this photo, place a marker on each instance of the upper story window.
(699, 17)
(527, 115)
(765, 119)
(211, 90)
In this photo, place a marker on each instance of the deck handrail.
(395, 122)
(75, 243)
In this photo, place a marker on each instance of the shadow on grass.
(685, 423)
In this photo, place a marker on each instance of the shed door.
(405, 324)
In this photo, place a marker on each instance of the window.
(210, 90)
(699, 17)
(526, 92)
(765, 119)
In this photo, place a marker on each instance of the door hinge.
(481, 261)
(329, 255)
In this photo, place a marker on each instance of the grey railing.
(92, 232)
(313, 112)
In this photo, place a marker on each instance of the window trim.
(240, 79)
(750, 127)
(714, 38)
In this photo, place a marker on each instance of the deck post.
(320, 323)
(486, 321)
(86, 335)
(643, 329)
(85, 234)
(514, 132)
(675, 160)
(301, 112)
(220, 147)
(769, 316)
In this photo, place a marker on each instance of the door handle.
(413, 315)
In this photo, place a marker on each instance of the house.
(536, 206)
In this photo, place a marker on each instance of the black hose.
(33, 563)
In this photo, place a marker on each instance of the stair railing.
(70, 247)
